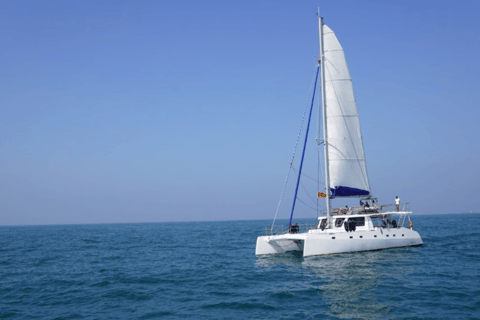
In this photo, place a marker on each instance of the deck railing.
(402, 207)
(394, 220)
(377, 208)
(304, 227)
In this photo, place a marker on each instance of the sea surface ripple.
(208, 270)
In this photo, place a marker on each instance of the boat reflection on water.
(358, 285)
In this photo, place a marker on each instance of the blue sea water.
(208, 270)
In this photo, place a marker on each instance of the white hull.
(316, 242)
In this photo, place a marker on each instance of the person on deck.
(397, 203)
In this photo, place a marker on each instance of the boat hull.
(316, 243)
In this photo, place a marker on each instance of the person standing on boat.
(397, 203)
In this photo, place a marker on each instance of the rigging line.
(304, 147)
(308, 193)
(300, 200)
(318, 178)
(320, 175)
(304, 175)
(365, 178)
(321, 171)
(314, 82)
(303, 186)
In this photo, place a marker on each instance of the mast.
(324, 113)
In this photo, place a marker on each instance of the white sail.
(345, 145)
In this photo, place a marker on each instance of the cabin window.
(339, 222)
(361, 236)
(359, 221)
(333, 237)
(375, 236)
(351, 237)
(323, 224)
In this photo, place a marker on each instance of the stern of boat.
(277, 244)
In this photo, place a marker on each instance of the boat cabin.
(362, 222)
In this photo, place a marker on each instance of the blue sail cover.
(341, 191)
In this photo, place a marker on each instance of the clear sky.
(152, 111)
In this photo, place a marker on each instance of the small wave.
(238, 306)
(155, 315)
(101, 284)
(282, 295)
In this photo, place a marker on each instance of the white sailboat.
(367, 227)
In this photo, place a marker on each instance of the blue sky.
(152, 111)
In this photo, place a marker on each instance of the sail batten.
(347, 166)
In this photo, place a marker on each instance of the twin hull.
(316, 242)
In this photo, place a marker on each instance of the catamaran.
(367, 227)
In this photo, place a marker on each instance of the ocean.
(208, 270)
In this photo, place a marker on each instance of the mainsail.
(346, 157)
